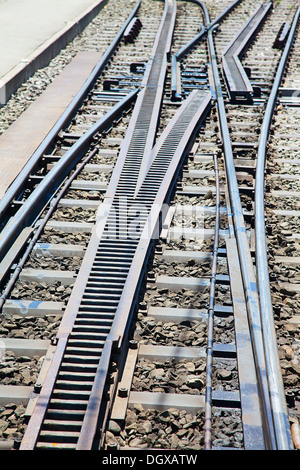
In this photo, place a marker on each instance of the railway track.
(133, 243)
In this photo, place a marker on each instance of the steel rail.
(192, 111)
(175, 75)
(282, 35)
(117, 334)
(16, 187)
(166, 163)
(40, 228)
(222, 15)
(54, 178)
(140, 135)
(175, 67)
(282, 429)
(157, 67)
(210, 324)
(248, 274)
(238, 83)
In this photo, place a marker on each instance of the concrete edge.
(46, 52)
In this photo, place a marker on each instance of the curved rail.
(166, 163)
(238, 83)
(223, 14)
(175, 75)
(282, 430)
(27, 214)
(16, 187)
(153, 175)
(53, 206)
(105, 245)
(247, 269)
